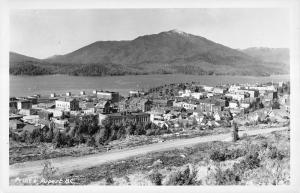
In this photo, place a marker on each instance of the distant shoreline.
(58, 74)
(60, 83)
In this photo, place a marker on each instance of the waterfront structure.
(107, 95)
(24, 104)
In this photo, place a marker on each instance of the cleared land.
(67, 164)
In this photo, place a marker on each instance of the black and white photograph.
(150, 96)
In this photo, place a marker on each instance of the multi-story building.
(210, 105)
(67, 104)
(107, 95)
(162, 103)
(117, 118)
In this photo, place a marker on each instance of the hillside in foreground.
(254, 160)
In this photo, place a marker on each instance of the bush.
(91, 142)
(274, 153)
(109, 179)
(156, 178)
(218, 155)
(185, 176)
(227, 177)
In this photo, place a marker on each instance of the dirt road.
(66, 164)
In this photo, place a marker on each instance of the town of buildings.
(169, 105)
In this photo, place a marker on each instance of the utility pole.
(235, 130)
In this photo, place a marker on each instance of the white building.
(67, 104)
(233, 104)
(237, 96)
(208, 88)
(197, 95)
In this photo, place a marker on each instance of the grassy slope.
(252, 160)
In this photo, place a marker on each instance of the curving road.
(66, 164)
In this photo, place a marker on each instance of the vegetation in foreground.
(252, 160)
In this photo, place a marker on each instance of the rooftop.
(66, 99)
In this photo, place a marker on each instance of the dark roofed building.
(135, 105)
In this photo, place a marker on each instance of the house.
(209, 95)
(33, 99)
(16, 124)
(103, 106)
(210, 105)
(46, 115)
(24, 104)
(32, 119)
(271, 95)
(235, 96)
(46, 105)
(208, 88)
(13, 106)
(218, 90)
(186, 105)
(27, 112)
(107, 95)
(117, 118)
(233, 104)
(197, 95)
(234, 88)
(156, 116)
(61, 124)
(245, 104)
(30, 128)
(184, 93)
(156, 103)
(252, 93)
(56, 112)
(217, 116)
(67, 104)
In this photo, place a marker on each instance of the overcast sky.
(43, 33)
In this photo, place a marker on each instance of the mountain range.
(166, 52)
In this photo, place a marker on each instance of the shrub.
(156, 178)
(91, 142)
(274, 153)
(250, 162)
(227, 177)
(218, 155)
(109, 179)
(185, 176)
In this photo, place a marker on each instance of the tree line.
(88, 131)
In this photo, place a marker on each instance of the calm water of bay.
(44, 85)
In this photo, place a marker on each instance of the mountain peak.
(176, 31)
